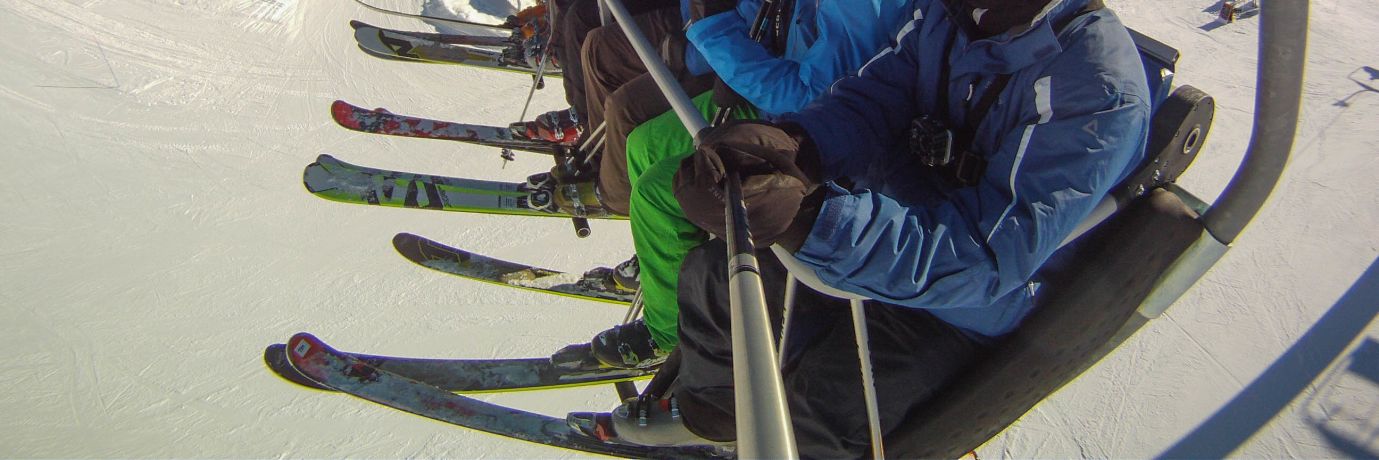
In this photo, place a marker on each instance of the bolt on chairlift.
(1139, 251)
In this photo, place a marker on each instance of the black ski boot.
(628, 346)
(627, 275)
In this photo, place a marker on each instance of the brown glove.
(777, 174)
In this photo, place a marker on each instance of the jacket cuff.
(820, 247)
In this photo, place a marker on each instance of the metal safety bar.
(763, 420)
(1278, 96)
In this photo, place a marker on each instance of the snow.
(156, 238)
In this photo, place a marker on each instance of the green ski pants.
(660, 232)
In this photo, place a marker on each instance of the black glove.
(777, 174)
(700, 9)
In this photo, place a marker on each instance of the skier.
(826, 41)
(1046, 106)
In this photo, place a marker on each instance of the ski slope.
(155, 237)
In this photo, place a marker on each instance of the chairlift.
(1141, 249)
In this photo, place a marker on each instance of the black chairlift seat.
(1092, 290)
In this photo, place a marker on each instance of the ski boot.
(627, 275)
(621, 279)
(558, 126)
(531, 34)
(638, 421)
(628, 346)
(579, 198)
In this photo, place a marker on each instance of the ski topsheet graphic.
(345, 373)
(336, 180)
(388, 43)
(448, 39)
(595, 285)
(573, 366)
(381, 121)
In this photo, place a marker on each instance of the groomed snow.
(155, 237)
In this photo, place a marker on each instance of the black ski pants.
(913, 354)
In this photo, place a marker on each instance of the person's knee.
(617, 109)
(594, 43)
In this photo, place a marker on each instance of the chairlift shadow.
(1366, 84)
(1289, 376)
(1333, 411)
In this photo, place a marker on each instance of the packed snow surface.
(156, 237)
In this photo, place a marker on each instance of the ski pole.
(763, 420)
(758, 30)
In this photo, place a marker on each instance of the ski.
(424, 17)
(571, 366)
(336, 180)
(595, 285)
(345, 373)
(381, 121)
(389, 57)
(449, 39)
(388, 43)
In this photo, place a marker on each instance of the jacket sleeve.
(848, 34)
(865, 113)
(1071, 142)
(695, 61)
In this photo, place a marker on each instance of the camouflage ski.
(426, 17)
(448, 39)
(345, 373)
(572, 366)
(387, 42)
(594, 285)
(381, 121)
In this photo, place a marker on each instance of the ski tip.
(316, 167)
(341, 111)
(275, 357)
(403, 238)
(356, 24)
(303, 344)
(408, 245)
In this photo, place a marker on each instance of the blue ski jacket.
(827, 40)
(1069, 125)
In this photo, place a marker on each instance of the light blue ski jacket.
(828, 39)
(1070, 124)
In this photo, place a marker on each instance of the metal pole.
(605, 16)
(1282, 54)
(859, 330)
(673, 92)
(763, 420)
